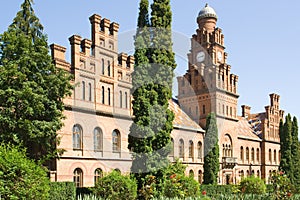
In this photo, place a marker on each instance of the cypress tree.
(285, 146)
(31, 88)
(295, 153)
(211, 151)
(149, 136)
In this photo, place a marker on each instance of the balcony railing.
(229, 162)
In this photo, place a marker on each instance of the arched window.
(191, 149)
(97, 175)
(270, 155)
(102, 68)
(108, 68)
(257, 155)
(108, 91)
(199, 149)
(126, 100)
(78, 177)
(203, 109)
(77, 137)
(200, 175)
(181, 148)
(172, 148)
(258, 174)
(116, 141)
(83, 90)
(191, 173)
(242, 154)
(252, 154)
(247, 154)
(121, 99)
(98, 141)
(90, 92)
(248, 174)
(242, 174)
(275, 156)
(103, 95)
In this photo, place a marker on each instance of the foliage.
(31, 88)
(149, 137)
(116, 186)
(217, 189)
(252, 185)
(62, 191)
(211, 151)
(21, 178)
(290, 150)
(282, 187)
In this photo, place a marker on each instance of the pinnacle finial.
(206, 5)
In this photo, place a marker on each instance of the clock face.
(200, 56)
(219, 55)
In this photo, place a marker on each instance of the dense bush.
(116, 186)
(21, 178)
(62, 191)
(252, 185)
(212, 190)
(281, 185)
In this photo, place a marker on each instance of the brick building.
(99, 115)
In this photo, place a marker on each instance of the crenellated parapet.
(58, 54)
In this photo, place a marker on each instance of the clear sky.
(262, 38)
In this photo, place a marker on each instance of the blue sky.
(262, 38)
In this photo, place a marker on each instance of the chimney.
(246, 111)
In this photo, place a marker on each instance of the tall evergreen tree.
(32, 89)
(211, 151)
(285, 129)
(295, 153)
(149, 136)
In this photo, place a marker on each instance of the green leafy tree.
(286, 163)
(116, 186)
(211, 151)
(32, 89)
(252, 185)
(295, 153)
(149, 137)
(21, 178)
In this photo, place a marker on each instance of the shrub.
(252, 185)
(281, 185)
(62, 191)
(212, 190)
(116, 186)
(20, 177)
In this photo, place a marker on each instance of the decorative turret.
(207, 19)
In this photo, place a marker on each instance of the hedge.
(62, 191)
(211, 190)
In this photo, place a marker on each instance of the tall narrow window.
(116, 141)
(191, 173)
(252, 154)
(97, 175)
(200, 175)
(108, 95)
(247, 154)
(181, 148)
(126, 100)
(98, 141)
(83, 90)
(77, 137)
(121, 99)
(90, 92)
(102, 67)
(275, 156)
(199, 149)
(103, 95)
(242, 154)
(191, 149)
(257, 155)
(203, 109)
(270, 155)
(78, 177)
(172, 148)
(108, 68)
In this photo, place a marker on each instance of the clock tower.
(208, 85)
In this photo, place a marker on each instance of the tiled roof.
(245, 130)
(182, 120)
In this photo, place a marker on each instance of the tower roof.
(207, 12)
